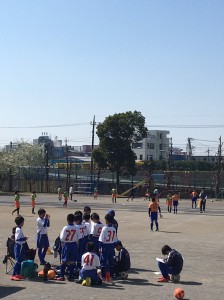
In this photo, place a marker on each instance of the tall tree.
(116, 135)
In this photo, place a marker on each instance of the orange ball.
(51, 274)
(179, 293)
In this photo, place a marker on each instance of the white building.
(155, 145)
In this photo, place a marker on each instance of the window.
(141, 157)
(152, 146)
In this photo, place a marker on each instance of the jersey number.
(98, 231)
(89, 260)
(110, 236)
(70, 234)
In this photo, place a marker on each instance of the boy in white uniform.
(69, 236)
(90, 264)
(108, 237)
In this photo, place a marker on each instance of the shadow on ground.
(9, 290)
(190, 282)
(135, 281)
(138, 270)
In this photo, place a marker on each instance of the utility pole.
(170, 158)
(219, 166)
(67, 171)
(91, 164)
(46, 150)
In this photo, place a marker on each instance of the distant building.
(155, 145)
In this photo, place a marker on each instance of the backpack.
(28, 268)
(57, 247)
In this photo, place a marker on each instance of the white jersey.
(42, 225)
(90, 261)
(96, 229)
(88, 226)
(70, 234)
(82, 229)
(108, 235)
(71, 190)
(19, 236)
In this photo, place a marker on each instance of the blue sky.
(62, 62)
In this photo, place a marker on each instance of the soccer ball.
(211, 200)
(179, 293)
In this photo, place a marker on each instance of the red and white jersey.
(108, 235)
(96, 229)
(90, 261)
(82, 229)
(70, 234)
(88, 226)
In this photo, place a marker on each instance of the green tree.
(116, 135)
(22, 159)
(100, 161)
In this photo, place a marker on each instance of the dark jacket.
(175, 260)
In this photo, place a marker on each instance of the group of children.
(86, 245)
(65, 196)
(17, 203)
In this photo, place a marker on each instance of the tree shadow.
(136, 281)
(169, 231)
(9, 290)
(190, 283)
(138, 270)
(111, 286)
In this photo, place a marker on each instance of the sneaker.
(20, 276)
(88, 281)
(15, 278)
(60, 279)
(84, 282)
(163, 279)
(79, 281)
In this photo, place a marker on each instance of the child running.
(33, 201)
(17, 204)
(107, 238)
(65, 196)
(19, 248)
(59, 193)
(69, 236)
(43, 222)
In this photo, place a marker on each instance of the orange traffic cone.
(108, 276)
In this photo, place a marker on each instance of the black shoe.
(79, 281)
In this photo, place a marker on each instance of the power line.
(44, 126)
(186, 126)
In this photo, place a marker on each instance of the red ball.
(179, 293)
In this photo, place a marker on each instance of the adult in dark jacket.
(122, 261)
(172, 265)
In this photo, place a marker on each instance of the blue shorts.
(42, 241)
(175, 203)
(19, 252)
(154, 216)
(69, 252)
(107, 255)
(90, 273)
(194, 199)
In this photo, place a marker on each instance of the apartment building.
(155, 145)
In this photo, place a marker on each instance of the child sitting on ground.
(122, 261)
(90, 263)
(173, 264)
